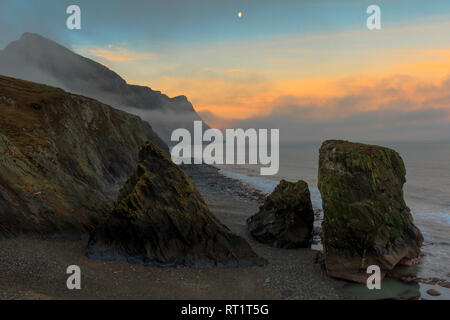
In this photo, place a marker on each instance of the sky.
(311, 68)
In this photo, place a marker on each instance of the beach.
(35, 267)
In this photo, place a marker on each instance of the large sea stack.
(286, 218)
(63, 158)
(366, 220)
(161, 219)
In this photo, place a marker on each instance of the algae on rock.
(366, 220)
(63, 158)
(161, 219)
(286, 219)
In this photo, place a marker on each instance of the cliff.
(63, 158)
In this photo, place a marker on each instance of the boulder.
(286, 218)
(161, 219)
(433, 293)
(366, 220)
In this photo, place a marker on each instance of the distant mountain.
(38, 59)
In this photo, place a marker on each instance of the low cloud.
(395, 108)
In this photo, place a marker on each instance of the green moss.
(361, 187)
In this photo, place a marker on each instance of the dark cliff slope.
(63, 157)
(38, 59)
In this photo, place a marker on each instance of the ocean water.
(427, 191)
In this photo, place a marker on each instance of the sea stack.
(161, 219)
(366, 220)
(286, 219)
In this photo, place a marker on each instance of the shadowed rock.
(63, 158)
(286, 218)
(366, 220)
(161, 219)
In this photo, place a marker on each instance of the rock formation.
(286, 218)
(63, 158)
(161, 219)
(366, 220)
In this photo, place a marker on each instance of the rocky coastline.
(37, 264)
(64, 158)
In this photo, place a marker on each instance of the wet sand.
(35, 268)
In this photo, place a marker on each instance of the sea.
(427, 193)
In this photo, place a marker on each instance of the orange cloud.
(239, 80)
(114, 53)
(228, 100)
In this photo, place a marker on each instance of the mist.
(383, 112)
(37, 59)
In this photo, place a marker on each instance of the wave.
(439, 215)
(436, 214)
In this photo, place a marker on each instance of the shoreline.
(35, 268)
(403, 282)
(37, 265)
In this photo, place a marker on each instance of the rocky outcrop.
(161, 219)
(41, 60)
(63, 158)
(366, 220)
(286, 219)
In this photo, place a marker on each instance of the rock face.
(286, 219)
(366, 220)
(35, 58)
(63, 158)
(161, 219)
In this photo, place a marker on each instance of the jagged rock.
(286, 218)
(63, 158)
(366, 220)
(161, 219)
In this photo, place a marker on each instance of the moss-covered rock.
(366, 220)
(161, 219)
(63, 158)
(286, 219)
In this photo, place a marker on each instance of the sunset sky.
(282, 63)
